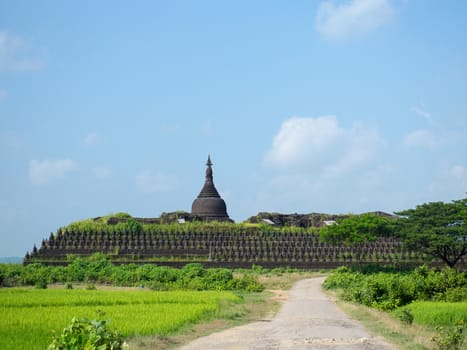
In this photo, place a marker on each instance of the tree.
(357, 229)
(437, 229)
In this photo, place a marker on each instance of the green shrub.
(163, 274)
(76, 271)
(159, 286)
(193, 270)
(133, 226)
(218, 279)
(456, 295)
(33, 273)
(41, 283)
(404, 315)
(196, 283)
(85, 334)
(98, 268)
(451, 338)
(389, 290)
(11, 274)
(121, 215)
(247, 283)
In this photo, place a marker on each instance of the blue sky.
(304, 106)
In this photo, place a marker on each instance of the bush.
(404, 315)
(218, 279)
(450, 338)
(455, 295)
(98, 268)
(164, 275)
(34, 274)
(159, 286)
(11, 274)
(247, 283)
(41, 283)
(387, 291)
(133, 226)
(85, 334)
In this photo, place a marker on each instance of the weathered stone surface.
(299, 220)
(304, 220)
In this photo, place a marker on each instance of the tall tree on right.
(437, 229)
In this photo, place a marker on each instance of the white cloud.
(359, 146)
(102, 172)
(423, 114)
(42, 172)
(154, 182)
(313, 163)
(92, 139)
(322, 145)
(302, 140)
(421, 139)
(353, 18)
(3, 95)
(16, 54)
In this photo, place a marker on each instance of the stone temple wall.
(242, 248)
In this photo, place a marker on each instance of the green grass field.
(433, 314)
(28, 316)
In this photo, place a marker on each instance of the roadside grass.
(379, 323)
(434, 314)
(416, 336)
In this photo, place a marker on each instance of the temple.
(126, 239)
(209, 205)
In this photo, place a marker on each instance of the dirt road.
(306, 320)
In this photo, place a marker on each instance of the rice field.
(432, 313)
(28, 316)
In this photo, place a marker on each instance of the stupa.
(209, 205)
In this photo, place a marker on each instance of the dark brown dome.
(209, 205)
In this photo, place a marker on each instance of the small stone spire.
(209, 190)
(209, 170)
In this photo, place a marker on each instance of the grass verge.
(379, 323)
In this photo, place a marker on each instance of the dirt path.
(306, 320)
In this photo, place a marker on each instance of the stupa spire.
(209, 190)
(209, 171)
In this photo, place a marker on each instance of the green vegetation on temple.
(124, 222)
